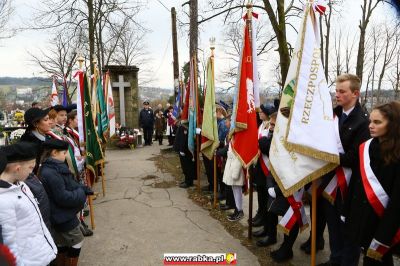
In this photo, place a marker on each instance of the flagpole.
(313, 221)
(80, 60)
(250, 228)
(197, 135)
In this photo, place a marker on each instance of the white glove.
(182, 153)
(343, 218)
(271, 192)
(198, 131)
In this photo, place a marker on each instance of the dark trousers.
(270, 223)
(288, 240)
(159, 137)
(321, 220)
(188, 168)
(342, 252)
(148, 133)
(262, 195)
(230, 200)
(209, 167)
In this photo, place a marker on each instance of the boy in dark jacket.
(66, 197)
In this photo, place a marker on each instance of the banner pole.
(250, 178)
(215, 181)
(103, 177)
(313, 221)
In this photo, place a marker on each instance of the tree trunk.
(279, 27)
(91, 34)
(194, 30)
(361, 54)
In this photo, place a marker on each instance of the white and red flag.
(304, 145)
(54, 100)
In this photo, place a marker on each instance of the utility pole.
(175, 52)
(194, 30)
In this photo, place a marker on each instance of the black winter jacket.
(40, 194)
(66, 196)
(362, 223)
(353, 132)
(146, 118)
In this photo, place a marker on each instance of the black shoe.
(260, 233)
(258, 216)
(320, 246)
(328, 263)
(85, 229)
(266, 241)
(184, 185)
(282, 254)
(224, 207)
(258, 222)
(236, 216)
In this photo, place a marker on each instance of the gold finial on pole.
(80, 60)
(212, 45)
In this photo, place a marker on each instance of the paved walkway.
(136, 222)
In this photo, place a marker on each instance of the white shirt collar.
(348, 111)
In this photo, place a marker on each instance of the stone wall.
(130, 74)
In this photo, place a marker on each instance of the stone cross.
(121, 85)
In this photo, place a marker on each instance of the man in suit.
(353, 130)
(146, 121)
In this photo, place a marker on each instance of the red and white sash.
(377, 197)
(263, 159)
(342, 175)
(295, 214)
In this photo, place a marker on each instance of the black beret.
(71, 107)
(55, 144)
(267, 109)
(20, 151)
(34, 114)
(3, 162)
(59, 108)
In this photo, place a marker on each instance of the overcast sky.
(14, 58)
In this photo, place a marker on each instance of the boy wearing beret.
(23, 229)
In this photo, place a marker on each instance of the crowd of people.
(43, 190)
(362, 216)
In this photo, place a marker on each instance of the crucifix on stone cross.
(121, 86)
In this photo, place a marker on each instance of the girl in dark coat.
(67, 198)
(372, 216)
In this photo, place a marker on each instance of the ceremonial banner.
(209, 129)
(177, 105)
(65, 97)
(185, 109)
(94, 154)
(110, 106)
(304, 145)
(245, 140)
(54, 100)
(102, 118)
(192, 107)
(79, 105)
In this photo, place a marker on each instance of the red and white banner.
(295, 214)
(54, 100)
(245, 140)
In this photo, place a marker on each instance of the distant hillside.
(31, 82)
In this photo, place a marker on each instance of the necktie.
(342, 118)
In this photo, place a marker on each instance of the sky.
(15, 60)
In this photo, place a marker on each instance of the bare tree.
(367, 7)
(392, 39)
(6, 11)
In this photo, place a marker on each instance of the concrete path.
(137, 222)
